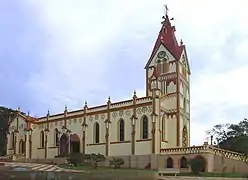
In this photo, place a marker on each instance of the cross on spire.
(166, 10)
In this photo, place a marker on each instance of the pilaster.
(133, 122)
(107, 122)
(84, 128)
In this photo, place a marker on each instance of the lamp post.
(46, 132)
(84, 126)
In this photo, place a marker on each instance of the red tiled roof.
(168, 39)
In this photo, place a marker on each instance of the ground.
(38, 167)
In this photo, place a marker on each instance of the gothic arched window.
(144, 127)
(169, 163)
(96, 131)
(12, 140)
(56, 137)
(183, 163)
(121, 130)
(163, 129)
(42, 139)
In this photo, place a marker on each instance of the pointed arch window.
(56, 137)
(144, 127)
(163, 128)
(169, 162)
(42, 139)
(183, 163)
(96, 134)
(12, 140)
(121, 130)
(184, 105)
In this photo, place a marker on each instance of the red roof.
(168, 39)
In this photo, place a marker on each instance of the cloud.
(72, 51)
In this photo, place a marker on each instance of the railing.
(206, 148)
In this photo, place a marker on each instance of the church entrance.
(63, 145)
(74, 143)
(22, 146)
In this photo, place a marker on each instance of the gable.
(184, 60)
(154, 58)
(17, 121)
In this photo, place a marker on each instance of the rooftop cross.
(166, 10)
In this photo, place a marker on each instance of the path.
(39, 167)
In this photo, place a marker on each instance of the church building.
(134, 127)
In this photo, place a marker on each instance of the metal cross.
(166, 10)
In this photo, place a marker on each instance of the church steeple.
(167, 37)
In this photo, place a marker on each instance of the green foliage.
(96, 158)
(116, 162)
(75, 159)
(79, 159)
(197, 165)
(232, 137)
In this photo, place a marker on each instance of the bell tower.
(173, 72)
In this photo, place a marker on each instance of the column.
(30, 143)
(84, 126)
(107, 122)
(27, 144)
(8, 144)
(84, 137)
(59, 135)
(16, 148)
(46, 132)
(133, 121)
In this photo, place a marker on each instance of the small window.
(145, 128)
(121, 130)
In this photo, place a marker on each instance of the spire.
(167, 37)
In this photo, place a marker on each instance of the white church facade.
(137, 126)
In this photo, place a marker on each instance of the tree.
(116, 162)
(5, 113)
(197, 165)
(233, 137)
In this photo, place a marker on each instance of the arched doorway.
(63, 145)
(200, 158)
(22, 146)
(74, 143)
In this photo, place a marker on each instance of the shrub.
(75, 159)
(116, 162)
(197, 165)
(96, 158)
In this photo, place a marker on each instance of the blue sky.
(61, 52)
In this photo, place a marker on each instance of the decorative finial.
(85, 103)
(18, 109)
(181, 42)
(28, 113)
(134, 94)
(48, 113)
(109, 98)
(65, 107)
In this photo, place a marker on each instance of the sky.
(57, 53)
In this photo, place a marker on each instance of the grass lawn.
(111, 173)
(107, 169)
